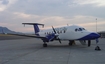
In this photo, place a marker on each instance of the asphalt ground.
(30, 51)
(11, 37)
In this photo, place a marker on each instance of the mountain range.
(6, 30)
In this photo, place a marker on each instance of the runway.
(31, 51)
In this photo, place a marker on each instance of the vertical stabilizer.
(36, 28)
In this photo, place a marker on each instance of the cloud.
(93, 2)
(14, 20)
(21, 15)
(51, 12)
(4, 4)
(55, 8)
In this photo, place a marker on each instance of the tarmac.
(31, 51)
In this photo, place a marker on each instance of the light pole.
(96, 24)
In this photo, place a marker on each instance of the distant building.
(102, 34)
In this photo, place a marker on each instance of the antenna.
(96, 24)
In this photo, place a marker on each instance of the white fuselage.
(67, 32)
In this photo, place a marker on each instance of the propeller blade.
(59, 40)
(54, 30)
(89, 43)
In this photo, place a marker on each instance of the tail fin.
(36, 28)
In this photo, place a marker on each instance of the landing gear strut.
(89, 43)
(44, 45)
(71, 42)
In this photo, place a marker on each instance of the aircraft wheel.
(44, 45)
(70, 44)
(89, 43)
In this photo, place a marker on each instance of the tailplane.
(36, 28)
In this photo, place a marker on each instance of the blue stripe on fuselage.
(91, 36)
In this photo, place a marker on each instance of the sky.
(55, 13)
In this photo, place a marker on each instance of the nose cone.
(93, 36)
(90, 36)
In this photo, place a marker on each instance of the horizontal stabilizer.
(33, 24)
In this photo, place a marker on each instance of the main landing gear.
(89, 43)
(44, 45)
(71, 42)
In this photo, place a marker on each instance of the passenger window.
(47, 33)
(64, 31)
(60, 31)
(80, 29)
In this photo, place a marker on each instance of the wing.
(24, 35)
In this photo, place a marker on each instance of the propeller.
(56, 33)
(54, 30)
(59, 40)
(89, 43)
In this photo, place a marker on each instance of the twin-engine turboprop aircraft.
(69, 33)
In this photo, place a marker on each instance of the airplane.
(67, 33)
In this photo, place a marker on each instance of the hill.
(6, 30)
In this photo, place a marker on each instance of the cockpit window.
(83, 28)
(79, 29)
